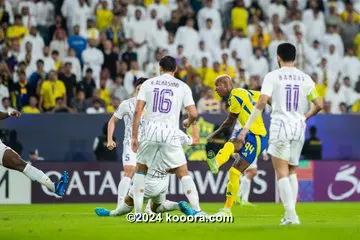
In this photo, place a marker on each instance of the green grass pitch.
(78, 221)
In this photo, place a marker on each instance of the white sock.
(148, 207)
(287, 197)
(245, 183)
(168, 206)
(294, 186)
(190, 192)
(39, 176)
(121, 209)
(139, 189)
(123, 189)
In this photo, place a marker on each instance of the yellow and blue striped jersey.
(242, 102)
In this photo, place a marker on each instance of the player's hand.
(242, 135)
(134, 145)
(186, 123)
(111, 145)
(15, 114)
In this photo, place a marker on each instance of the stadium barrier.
(67, 137)
(97, 182)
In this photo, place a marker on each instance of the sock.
(224, 154)
(240, 192)
(294, 186)
(121, 209)
(245, 184)
(148, 207)
(39, 176)
(191, 192)
(232, 187)
(287, 197)
(168, 206)
(139, 188)
(123, 189)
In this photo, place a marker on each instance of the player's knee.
(129, 172)
(292, 170)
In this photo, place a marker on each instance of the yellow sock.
(224, 154)
(232, 187)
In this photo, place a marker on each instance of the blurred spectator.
(75, 64)
(22, 91)
(161, 9)
(211, 75)
(239, 16)
(49, 63)
(348, 32)
(277, 8)
(131, 76)
(332, 37)
(96, 96)
(87, 84)
(335, 96)
(78, 102)
(350, 95)
(343, 108)
(101, 152)
(158, 37)
(104, 15)
(332, 18)
(56, 58)
(32, 107)
(50, 90)
(61, 107)
(36, 41)
(333, 59)
(77, 42)
(34, 156)
(153, 68)
(4, 91)
(200, 54)
(208, 104)
(255, 83)
(211, 37)
(351, 66)
(115, 33)
(321, 88)
(350, 13)
(5, 107)
(91, 32)
(114, 104)
(225, 66)
(357, 45)
(105, 84)
(313, 146)
(209, 12)
(241, 45)
(258, 64)
(96, 108)
(38, 75)
(187, 36)
(6, 11)
(197, 88)
(129, 55)
(58, 26)
(69, 80)
(118, 90)
(78, 14)
(110, 59)
(60, 44)
(173, 24)
(93, 58)
(29, 19)
(314, 21)
(17, 31)
(45, 12)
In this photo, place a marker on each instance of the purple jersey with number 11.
(164, 96)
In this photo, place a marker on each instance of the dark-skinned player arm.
(227, 124)
(317, 106)
(195, 134)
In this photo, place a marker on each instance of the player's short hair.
(168, 64)
(287, 52)
(140, 81)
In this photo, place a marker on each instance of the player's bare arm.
(5, 115)
(259, 107)
(228, 123)
(136, 122)
(111, 128)
(195, 134)
(315, 108)
(192, 115)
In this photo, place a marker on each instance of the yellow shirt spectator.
(345, 16)
(356, 107)
(147, 3)
(202, 72)
(50, 90)
(239, 18)
(257, 42)
(357, 44)
(209, 80)
(321, 89)
(30, 110)
(16, 32)
(110, 109)
(105, 95)
(103, 19)
(227, 69)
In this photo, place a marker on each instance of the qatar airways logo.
(345, 175)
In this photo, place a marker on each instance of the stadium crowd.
(85, 55)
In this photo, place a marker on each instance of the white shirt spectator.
(9, 10)
(152, 70)
(171, 48)
(93, 58)
(131, 9)
(139, 32)
(92, 110)
(333, 39)
(30, 4)
(278, 9)
(163, 12)
(243, 48)
(37, 45)
(45, 12)
(335, 98)
(129, 79)
(326, 74)
(211, 38)
(90, 33)
(4, 92)
(8, 109)
(93, 4)
(79, 16)
(75, 67)
(29, 21)
(315, 25)
(61, 46)
(258, 66)
(334, 61)
(351, 68)
(199, 55)
(289, 28)
(211, 13)
(158, 38)
(189, 38)
(49, 64)
(350, 95)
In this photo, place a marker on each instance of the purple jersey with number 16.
(164, 96)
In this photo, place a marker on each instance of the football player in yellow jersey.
(241, 102)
